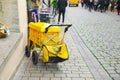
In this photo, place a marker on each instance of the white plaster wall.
(23, 20)
(14, 14)
(9, 14)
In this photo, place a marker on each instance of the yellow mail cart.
(46, 37)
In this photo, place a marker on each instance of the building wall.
(13, 13)
(9, 14)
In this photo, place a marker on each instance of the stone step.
(11, 54)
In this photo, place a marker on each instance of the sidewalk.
(100, 33)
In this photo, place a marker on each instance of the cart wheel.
(76, 5)
(34, 57)
(27, 51)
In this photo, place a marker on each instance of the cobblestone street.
(101, 34)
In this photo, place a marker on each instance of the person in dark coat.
(101, 2)
(82, 2)
(107, 2)
(62, 4)
(95, 4)
(118, 7)
(90, 3)
(112, 5)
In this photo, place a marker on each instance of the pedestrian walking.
(62, 4)
(55, 7)
(112, 5)
(118, 7)
(85, 3)
(95, 4)
(102, 4)
(34, 12)
(89, 4)
(82, 2)
(106, 5)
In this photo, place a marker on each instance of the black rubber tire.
(76, 5)
(34, 57)
(69, 5)
(27, 51)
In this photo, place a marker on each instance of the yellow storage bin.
(37, 33)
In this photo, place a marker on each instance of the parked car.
(73, 2)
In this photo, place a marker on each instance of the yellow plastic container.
(37, 33)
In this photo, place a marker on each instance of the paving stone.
(36, 75)
(60, 75)
(73, 75)
(78, 79)
(48, 75)
(116, 78)
(118, 71)
(114, 75)
(33, 78)
(25, 78)
(17, 78)
(66, 79)
(112, 71)
(55, 78)
(44, 78)
(86, 75)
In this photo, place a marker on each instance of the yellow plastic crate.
(37, 33)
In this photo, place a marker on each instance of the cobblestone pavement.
(73, 69)
(101, 34)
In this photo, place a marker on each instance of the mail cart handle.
(66, 29)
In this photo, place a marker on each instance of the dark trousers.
(118, 11)
(54, 12)
(63, 15)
